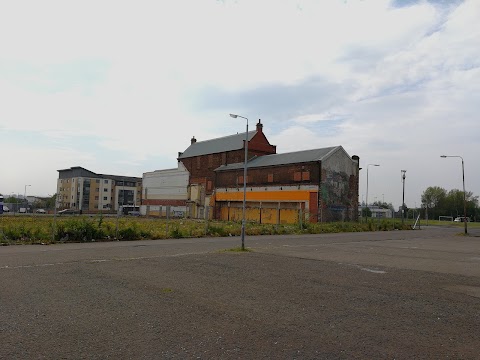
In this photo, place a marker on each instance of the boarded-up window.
(209, 185)
(224, 158)
(198, 162)
(305, 175)
(270, 178)
(210, 160)
(297, 176)
(240, 180)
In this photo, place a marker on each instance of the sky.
(120, 87)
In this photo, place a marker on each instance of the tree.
(366, 212)
(50, 202)
(440, 202)
(434, 198)
(383, 205)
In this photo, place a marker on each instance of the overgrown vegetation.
(47, 230)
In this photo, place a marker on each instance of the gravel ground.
(234, 306)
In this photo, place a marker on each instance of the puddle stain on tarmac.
(464, 289)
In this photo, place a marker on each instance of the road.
(397, 294)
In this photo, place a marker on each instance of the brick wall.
(307, 173)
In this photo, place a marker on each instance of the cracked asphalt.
(377, 295)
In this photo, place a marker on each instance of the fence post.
(167, 213)
(301, 216)
(206, 219)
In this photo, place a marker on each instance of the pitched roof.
(283, 159)
(218, 145)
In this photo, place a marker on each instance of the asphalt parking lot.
(382, 295)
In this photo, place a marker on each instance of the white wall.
(169, 184)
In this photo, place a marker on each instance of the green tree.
(366, 212)
(50, 202)
(433, 198)
(383, 205)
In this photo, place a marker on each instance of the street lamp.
(244, 180)
(25, 195)
(367, 187)
(464, 194)
(403, 195)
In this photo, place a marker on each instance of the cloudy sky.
(120, 87)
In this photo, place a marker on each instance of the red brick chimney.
(259, 126)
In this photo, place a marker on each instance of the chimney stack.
(259, 126)
(193, 140)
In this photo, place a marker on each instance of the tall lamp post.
(403, 195)
(367, 187)
(244, 180)
(25, 195)
(464, 194)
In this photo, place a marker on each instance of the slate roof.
(78, 171)
(283, 159)
(218, 145)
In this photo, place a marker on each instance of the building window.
(306, 175)
(297, 176)
(210, 160)
(270, 178)
(96, 197)
(105, 189)
(209, 185)
(240, 180)
(198, 162)
(97, 181)
(105, 181)
(105, 198)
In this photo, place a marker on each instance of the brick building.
(201, 159)
(317, 185)
(312, 185)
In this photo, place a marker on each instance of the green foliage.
(217, 230)
(439, 202)
(237, 249)
(366, 212)
(40, 229)
(176, 233)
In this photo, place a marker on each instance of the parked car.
(40, 211)
(6, 209)
(134, 213)
(22, 210)
(460, 219)
(68, 212)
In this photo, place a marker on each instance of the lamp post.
(25, 195)
(403, 194)
(464, 194)
(367, 188)
(244, 180)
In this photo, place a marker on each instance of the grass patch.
(237, 249)
(84, 228)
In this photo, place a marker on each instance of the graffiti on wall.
(336, 195)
